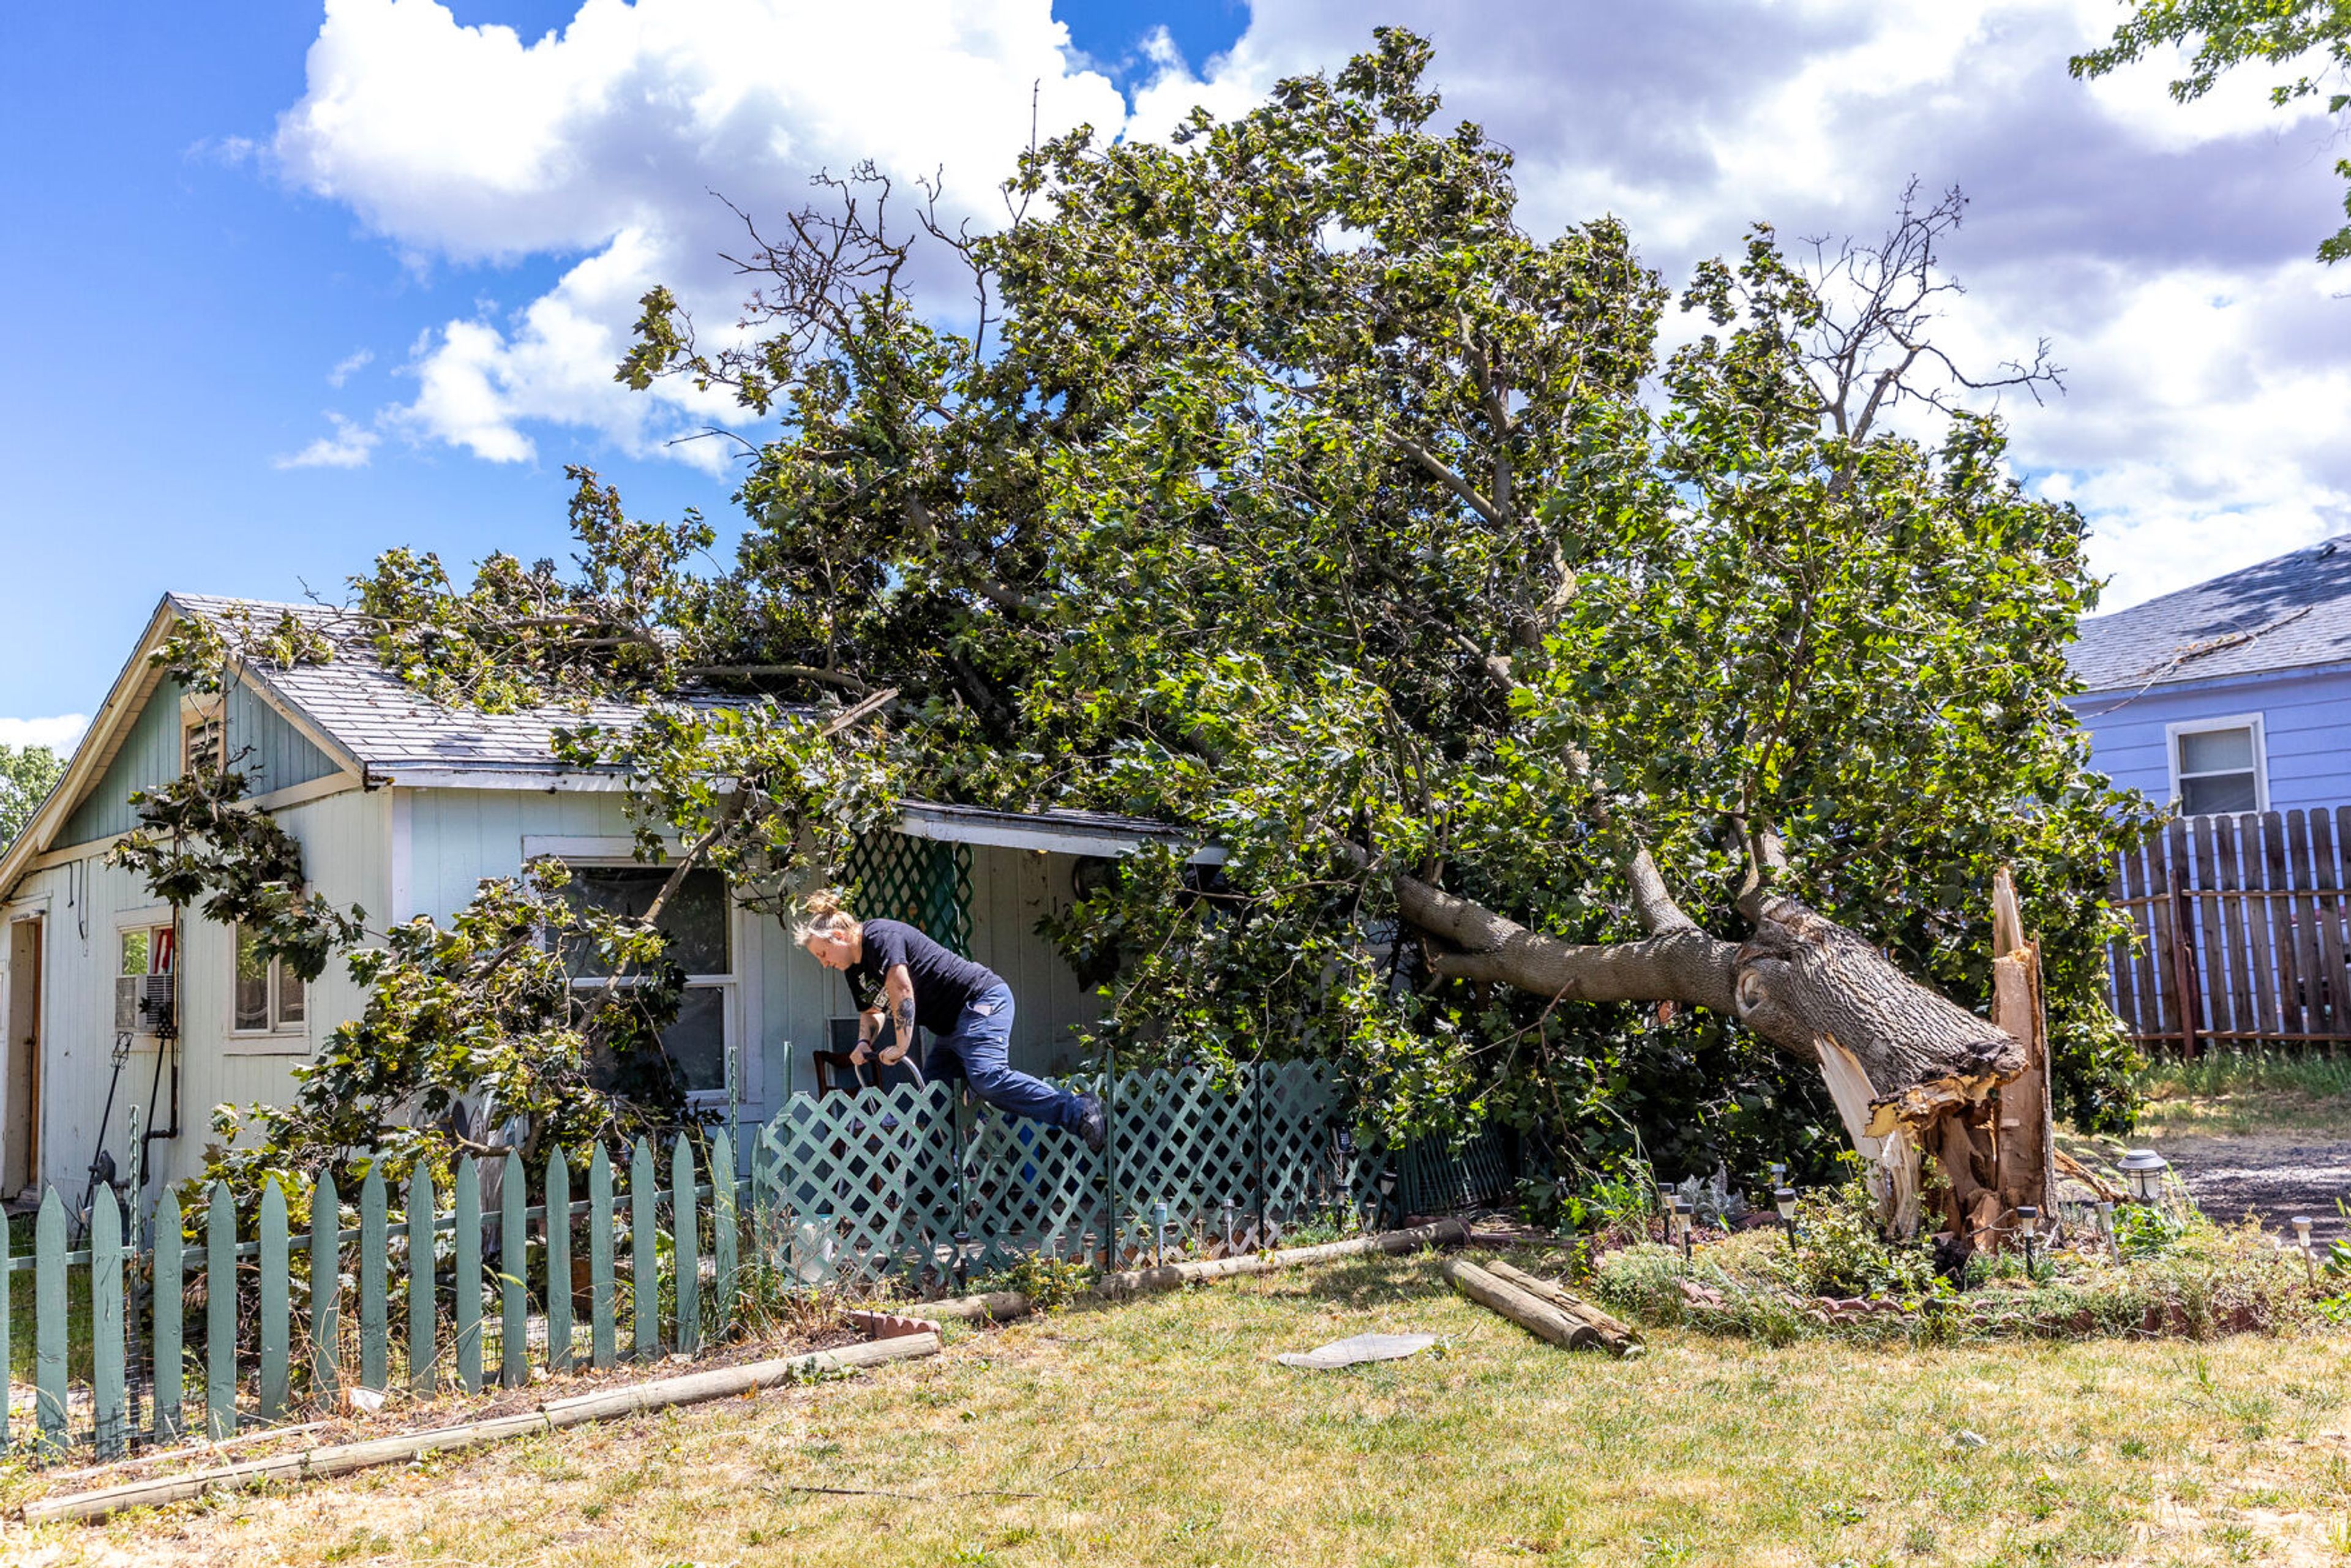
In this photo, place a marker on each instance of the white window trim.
(153, 917)
(735, 1041)
(279, 1040)
(2253, 721)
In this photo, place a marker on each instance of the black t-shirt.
(944, 984)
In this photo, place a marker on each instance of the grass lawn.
(1163, 1431)
(2225, 1094)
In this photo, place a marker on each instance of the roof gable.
(2292, 611)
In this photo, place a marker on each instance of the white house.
(401, 805)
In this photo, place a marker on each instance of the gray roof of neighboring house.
(389, 724)
(2285, 613)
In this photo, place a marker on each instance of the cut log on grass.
(342, 1459)
(1615, 1335)
(1168, 1276)
(1530, 1312)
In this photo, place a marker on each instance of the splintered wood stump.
(1538, 1317)
(1618, 1337)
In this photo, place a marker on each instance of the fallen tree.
(1615, 742)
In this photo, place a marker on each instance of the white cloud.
(2165, 250)
(349, 447)
(60, 734)
(350, 365)
(605, 143)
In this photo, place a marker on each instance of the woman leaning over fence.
(902, 978)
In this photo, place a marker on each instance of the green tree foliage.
(1286, 488)
(27, 774)
(2308, 42)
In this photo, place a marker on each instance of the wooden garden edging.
(342, 1459)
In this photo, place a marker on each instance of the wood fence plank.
(468, 1271)
(274, 1282)
(326, 1286)
(422, 1313)
(600, 1260)
(2146, 955)
(724, 1196)
(220, 1313)
(685, 1230)
(2163, 865)
(112, 1432)
(2277, 877)
(375, 1256)
(167, 1315)
(645, 1255)
(2323, 841)
(557, 1221)
(514, 1254)
(2260, 964)
(2302, 863)
(49, 1323)
(2212, 973)
(7, 1278)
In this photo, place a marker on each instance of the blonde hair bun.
(824, 913)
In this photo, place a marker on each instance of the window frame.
(2180, 730)
(732, 1040)
(198, 714)
(283, 1037)
(151, 919)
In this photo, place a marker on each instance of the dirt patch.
(2275, 1176)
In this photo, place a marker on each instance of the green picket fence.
(250, 1354)
(239, 1322)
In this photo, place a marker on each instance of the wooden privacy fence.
(150, 1335)
(2241, 932)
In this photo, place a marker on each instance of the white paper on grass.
(1361, 1348)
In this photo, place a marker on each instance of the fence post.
(724, 1198)
(1110, 1156)
(645, 1255)
(220, 1313)
(421, 1313)
(2183, 959)
(600, 1259)
(514, 1252)
(170, 1296)
(684, 1226)
(276, 1282)
(106, 1322)
(468, 1272)
(326, 1285)
(49, 1322)
(375, 1250)
(558, 1222)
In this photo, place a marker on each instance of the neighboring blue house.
(2233, 695)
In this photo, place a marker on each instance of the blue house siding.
(2305, 720)
(275, 755)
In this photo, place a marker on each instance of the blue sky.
(287, 293)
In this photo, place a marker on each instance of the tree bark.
(1801, 981)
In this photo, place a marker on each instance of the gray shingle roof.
(389, 724)
(2285, 613)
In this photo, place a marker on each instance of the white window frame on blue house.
(2174, 732)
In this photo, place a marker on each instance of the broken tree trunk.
(2024, 1138)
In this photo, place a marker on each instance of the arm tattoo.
(905, 1016)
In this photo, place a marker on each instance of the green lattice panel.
(1030, 1187)
(1186, 1140)
(922, 882)
(882, 1163)
(1296, 1115)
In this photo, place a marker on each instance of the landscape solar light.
(2105, 1207)
(2302, 1239)
(1228, 1228)
(1159, 1233)
(1683, 1209)
(2028, 1217)
(1783, 1199)
(2144, 1168)
(1779, 1169)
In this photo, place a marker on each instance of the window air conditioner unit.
(142, 1004)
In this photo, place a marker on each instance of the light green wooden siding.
(148, 757)
(277, 755)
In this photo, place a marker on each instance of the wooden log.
(343, 1458)
(1618, 1336)
(1170, 1276)
(1537, 1316)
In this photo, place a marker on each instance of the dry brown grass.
(1163, 1431)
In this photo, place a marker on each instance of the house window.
(697, 920)
(145, 952)
(2216, 767)
(267, 996)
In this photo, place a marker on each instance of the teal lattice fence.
(918, 1180)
